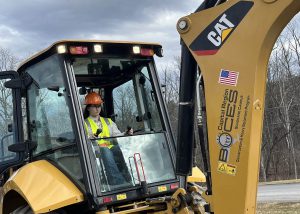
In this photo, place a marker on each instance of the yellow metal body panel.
(197, 176)
(43, 186)
(235, 110)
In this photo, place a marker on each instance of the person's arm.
(117, 132)
(87, 130)
(114, 129)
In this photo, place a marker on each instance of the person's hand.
(129, 131)
(92, 137)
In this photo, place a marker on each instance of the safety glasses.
(96, 106)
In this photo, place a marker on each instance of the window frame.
(17, 119)
(87, 169)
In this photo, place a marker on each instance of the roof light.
(136, 49)
(147, 52)
(98, 48)
(107, 199)
(174, 186)
(61, 49)
(81, 50)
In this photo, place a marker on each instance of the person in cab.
(103, 129)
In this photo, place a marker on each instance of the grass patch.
(278, 208)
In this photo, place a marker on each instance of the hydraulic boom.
(231, 43)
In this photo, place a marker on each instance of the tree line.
(281, 135)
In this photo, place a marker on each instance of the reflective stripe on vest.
(92, 128)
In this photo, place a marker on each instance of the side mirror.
(27, 146)
(18, 83)
(13, 84)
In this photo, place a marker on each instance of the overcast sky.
(27, 26)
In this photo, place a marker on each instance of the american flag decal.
(228, 77)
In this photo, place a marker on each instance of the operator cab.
(55, 83)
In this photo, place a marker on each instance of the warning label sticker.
(121, 197)
(222, 167)
(227, 168)
(162, 188)
(231, 169)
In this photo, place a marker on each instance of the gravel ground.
(278, 208)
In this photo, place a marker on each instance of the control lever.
(98, 132)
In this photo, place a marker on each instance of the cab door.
(10, 119)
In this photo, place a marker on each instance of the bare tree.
(7, 62)
(125, 107)
(170, 77)
(282, 113)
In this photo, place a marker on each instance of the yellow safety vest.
(92, 128)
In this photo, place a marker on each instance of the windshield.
(132, 160)
(126, 88)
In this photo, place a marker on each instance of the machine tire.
(23, 210)
(27, 210)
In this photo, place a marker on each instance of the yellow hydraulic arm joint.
(180, 205)
(232, 43)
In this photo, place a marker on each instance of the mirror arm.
(18, 83)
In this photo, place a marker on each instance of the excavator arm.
(230, 43)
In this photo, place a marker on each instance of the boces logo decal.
(216, 34)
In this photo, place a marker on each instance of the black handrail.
(3, 157)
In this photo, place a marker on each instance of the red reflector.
(107, 199)
(174, 186)
(147, 52)
(79, 50)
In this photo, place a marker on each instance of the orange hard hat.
(93, 98)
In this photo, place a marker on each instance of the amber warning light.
(81, 50)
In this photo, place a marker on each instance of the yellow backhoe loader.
(49, 163)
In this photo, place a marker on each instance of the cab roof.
(50, 50)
